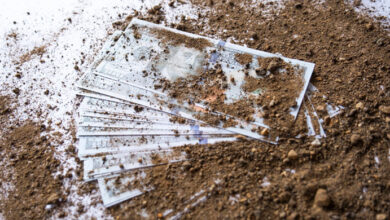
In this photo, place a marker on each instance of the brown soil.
(37, 51)
(176, 39)
(335, 179)
(281, 88)
(4, 105)
(244, 58)
(31, 168)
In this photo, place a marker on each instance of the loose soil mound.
(337, 177)
(34, 191)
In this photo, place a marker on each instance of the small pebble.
(381, 216)
(355, 138)
(357, 3)
(52, 198)
(292, 155)
(49, 206)
(321, 108)
(360, 105)
(316, 143)
(384, 109)
(264, 132)
(272, 103)
(272, 66)
(187, 165)
(16, 91)
(369, 26)
(321, 198)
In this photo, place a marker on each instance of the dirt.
(176, 39)
(4, 105)
(280, 84)
(280, 92)
(30, 187)
(31, 168)
(189, 90)
(244, 58)
(37, 51)
(336, 177)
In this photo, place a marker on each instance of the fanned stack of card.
(153, 89)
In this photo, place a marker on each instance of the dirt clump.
(177, 39)
(244, 58)
(270, 64)
(37, 51)
(321, 198)
(4, 105)
(281, 84)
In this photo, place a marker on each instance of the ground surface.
(46, 46)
